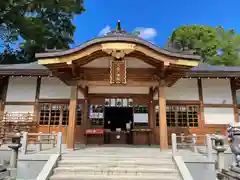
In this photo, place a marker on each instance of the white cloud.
(147, 33)
(105, 30)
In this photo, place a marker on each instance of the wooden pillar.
(86, 113)
(36, 106)
(150, 116)
(72, 118)
(163, 135)
(234, 99)
(201, 109)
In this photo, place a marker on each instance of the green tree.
(39, 24)
(215, 45)
(228, 52)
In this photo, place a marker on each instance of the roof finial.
(119, 25)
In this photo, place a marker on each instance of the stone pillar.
(59, 142)
(72, 118)
(163, 136)
(209, 147)
(174, 144)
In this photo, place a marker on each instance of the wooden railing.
(16, 122)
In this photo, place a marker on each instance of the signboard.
(95, 131)
(118, 72)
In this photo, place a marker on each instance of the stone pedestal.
(14, 155)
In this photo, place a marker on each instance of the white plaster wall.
(183, 89)
(104, 62)
(218, 115)
(216, 91)
(118, 90)
(53, 88)
(19, 108)
(21, 89)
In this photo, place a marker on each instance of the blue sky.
(155, 18)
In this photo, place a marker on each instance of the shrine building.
(119, 89)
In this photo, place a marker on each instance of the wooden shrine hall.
(116, 78)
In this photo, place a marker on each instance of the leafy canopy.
(215, 45)
(39, 24)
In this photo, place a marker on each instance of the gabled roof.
(118, 35)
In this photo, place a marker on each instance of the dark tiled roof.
(211, 68)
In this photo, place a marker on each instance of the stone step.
(120, 165)
(127, 155)
(73, 176)
(116, 170)
(90, 158)
(77, 162)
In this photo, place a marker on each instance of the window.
(65, 115)
(44, 114)
(79, 115)
(96, 115)
(141, 116)
(180, 115)
(53, 114)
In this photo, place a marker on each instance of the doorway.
(117, 118)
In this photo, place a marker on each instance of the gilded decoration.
(118, 50)
(118, 72)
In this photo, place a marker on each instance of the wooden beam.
(107, 83)
(74, 69)
(163, 135)
(72, 118)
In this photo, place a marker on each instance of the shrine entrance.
(117, 118)
(118, 121)
(119, 59)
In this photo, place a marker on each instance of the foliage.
(214, 45)
(40, 24)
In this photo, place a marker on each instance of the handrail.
(182, 168)
(47, 169)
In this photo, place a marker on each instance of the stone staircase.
(118, 163)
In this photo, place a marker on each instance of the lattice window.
(65, 115)
(44, 114)
(55, 114)
(79, 115)
(171, 116)
(96, 115)
(180, 115)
